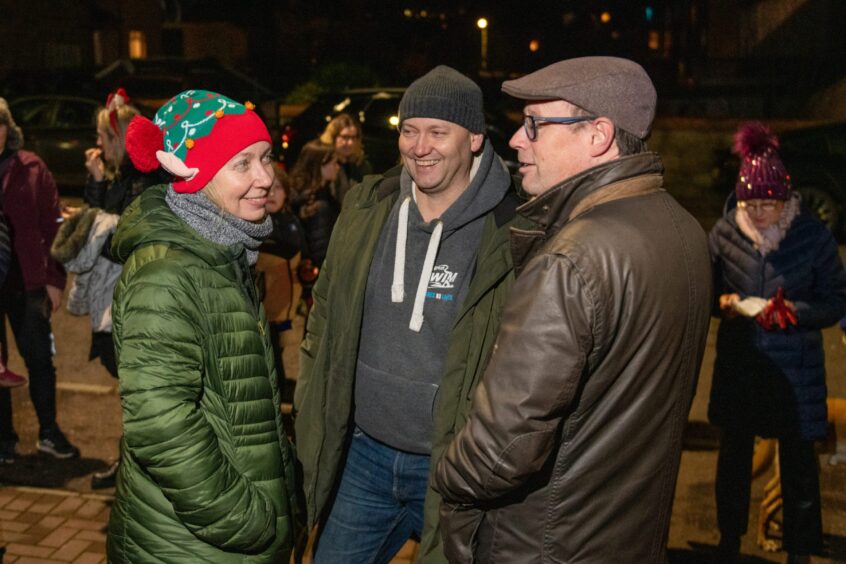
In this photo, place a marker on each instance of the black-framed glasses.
(530, 123)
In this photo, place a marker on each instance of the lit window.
(654, 40)
(137, 45)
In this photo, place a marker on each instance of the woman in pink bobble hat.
(778, 281)
(206, 470)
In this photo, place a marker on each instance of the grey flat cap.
(618, 89)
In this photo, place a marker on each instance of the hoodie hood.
(487, 170)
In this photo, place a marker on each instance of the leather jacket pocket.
(459, 528)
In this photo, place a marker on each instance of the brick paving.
(39, 525)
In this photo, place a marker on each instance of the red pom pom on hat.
(753, 138)
(143, 139)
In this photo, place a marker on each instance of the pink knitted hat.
(762, 174)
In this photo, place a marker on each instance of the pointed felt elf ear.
(176, 166)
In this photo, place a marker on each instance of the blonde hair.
(334, 128)
(123, 115)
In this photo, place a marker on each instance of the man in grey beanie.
(405, 312)
(572, 447)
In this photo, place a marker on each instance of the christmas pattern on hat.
(193, 136)
(762, 174)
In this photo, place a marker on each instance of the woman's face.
(347, 142)
(108, 143)
(762, 213)
(329, 171)
(241, 186)
(276, 197)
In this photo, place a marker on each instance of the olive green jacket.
(206, 471)
(324, 393)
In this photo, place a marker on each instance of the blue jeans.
(378, 507)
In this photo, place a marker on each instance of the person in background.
(311, 179)
(206, 471)
(33, 288)
(113, 181)
(278, 262)
(572, 447)
(344, 133)
(83, 242)
(769, 372)
(8, 378)
(405, 312)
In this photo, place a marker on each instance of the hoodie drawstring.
(398, 283)
(416, 322)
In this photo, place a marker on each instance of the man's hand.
(55, 296)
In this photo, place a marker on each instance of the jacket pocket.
(459, 531)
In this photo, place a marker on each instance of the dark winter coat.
(5, 247)
(773, 382)
(572, 448)
(206, 471)
(318, 215)
(114, 196)
(324, 393)
(31, 204)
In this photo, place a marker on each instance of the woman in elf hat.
(778, 282)
(207, 472)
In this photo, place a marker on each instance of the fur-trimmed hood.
(73, 234)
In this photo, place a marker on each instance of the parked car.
(59, 129)
(376, 109)
(151, 82)
(815, 157)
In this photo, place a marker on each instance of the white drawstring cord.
(398, 284)
(416, 322)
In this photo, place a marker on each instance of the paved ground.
(48, 512)
(45, 525)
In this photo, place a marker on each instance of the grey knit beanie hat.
(14, 136)
(444, 93)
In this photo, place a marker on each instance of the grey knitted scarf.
(219, 227)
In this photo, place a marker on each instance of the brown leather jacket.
(572, 448)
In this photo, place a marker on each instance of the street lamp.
(482, 24)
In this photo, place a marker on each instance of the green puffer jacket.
(206, 471)
(324, 393)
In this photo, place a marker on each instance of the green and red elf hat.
(193, 136)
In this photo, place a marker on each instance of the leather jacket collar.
(555, 207)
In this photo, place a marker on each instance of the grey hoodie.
(399, 367)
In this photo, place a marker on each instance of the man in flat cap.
(406, 310)
(572, 447)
